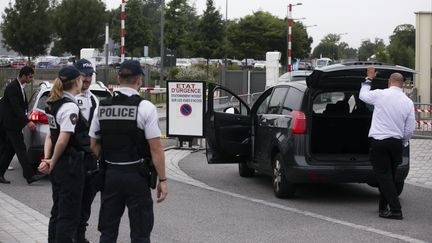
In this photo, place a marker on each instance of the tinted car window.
(42, 101)
(276, 100)
(226, 102)
(33, 99)
(262, 109)
(292, 101)
(101, 94)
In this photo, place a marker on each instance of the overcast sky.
(360, 19)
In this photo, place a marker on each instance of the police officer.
(64, 155)
(124, 132)
(87, 103)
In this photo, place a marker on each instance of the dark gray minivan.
(311, 131)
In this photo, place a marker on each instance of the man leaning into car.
(393, 123)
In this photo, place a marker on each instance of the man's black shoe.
(390, 215)
(3, 180)
(35, 178)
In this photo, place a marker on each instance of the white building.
(423, 56)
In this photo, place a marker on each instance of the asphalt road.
(224, 207)
(235, 209)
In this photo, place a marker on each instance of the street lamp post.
(162, 47)
(290, 20)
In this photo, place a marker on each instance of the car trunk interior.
(339, 128)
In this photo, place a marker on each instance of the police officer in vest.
(64, 155)
(87, 103)
(124, 133)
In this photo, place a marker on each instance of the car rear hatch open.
(351, 75)
(338, 120)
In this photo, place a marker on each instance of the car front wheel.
(281, 187)
(245, 170)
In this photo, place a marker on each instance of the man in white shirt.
(393, 123)
(88, 103)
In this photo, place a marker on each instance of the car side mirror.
(232, 110)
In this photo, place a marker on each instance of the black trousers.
(385, 156)
(13, 143)
(89, 193)
(67, 180)
(124, 186)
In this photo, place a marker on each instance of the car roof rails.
(45, 83)
(367, 63)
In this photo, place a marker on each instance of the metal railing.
(423, 113)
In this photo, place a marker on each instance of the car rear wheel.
(281, 187)
(245, 170)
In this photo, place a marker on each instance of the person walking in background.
(14, 118)
(87, 103)
(124, 142)
(64, 155)
(393, 123)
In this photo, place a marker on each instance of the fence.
(423, 120)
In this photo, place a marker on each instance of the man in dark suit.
(13, 119)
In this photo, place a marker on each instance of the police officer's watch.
(368, 80)
(162, 179)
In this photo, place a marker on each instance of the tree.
(26, 27)
(328, 47)
(180, 25)
(80, 24)
(346, 52)
(402, 46)
(210, 33)
(366, 50)
(254, 35)
(301, 43)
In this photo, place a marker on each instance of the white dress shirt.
(147, 119)
(85, 104)
(67, 115)
(393, 115)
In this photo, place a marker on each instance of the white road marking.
(175, 173)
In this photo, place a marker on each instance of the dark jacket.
(13, 108)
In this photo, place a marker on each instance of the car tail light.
(299, 122)
(37, 116)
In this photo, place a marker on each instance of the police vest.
(122, 141)
(79, 141)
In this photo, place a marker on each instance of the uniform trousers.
(385, 156)
(125, 187)
(89, 193)
(67, 179)
(13, 143)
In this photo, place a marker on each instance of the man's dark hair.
(26, 70)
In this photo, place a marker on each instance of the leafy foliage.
(402, 46)
(26, 27)
(80, 24)
(180, 23)
(210, 33)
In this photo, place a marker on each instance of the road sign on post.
(185, 109)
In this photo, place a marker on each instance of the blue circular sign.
(186, 109)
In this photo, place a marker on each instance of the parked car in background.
(35, 140)
(324, 61)
(260, 64)
(292, 135)
(248, 63)
(183, 63)
(304, 66)
(5, 62)
(48, 62)
(294, 76)
(18, 62)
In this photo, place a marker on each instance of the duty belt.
(124, 163)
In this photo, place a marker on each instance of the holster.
(147, 169)
(99, 175)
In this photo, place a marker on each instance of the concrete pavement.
(20, 223)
